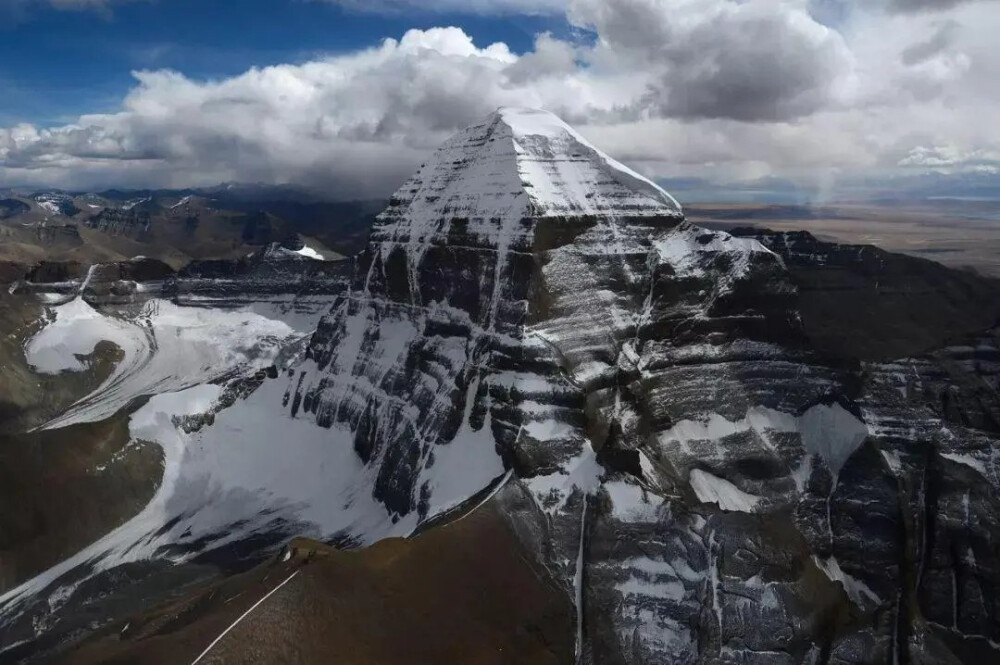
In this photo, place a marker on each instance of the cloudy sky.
(349, 95)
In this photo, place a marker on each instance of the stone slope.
(864, 302)
(464, 593)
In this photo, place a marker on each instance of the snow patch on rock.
(581, 473)
(688, 248)
(829, 431)
(310, 253)
(631, 503)
(464, 465)
(712, 489)
(832, 432)
(857, 591)
(967, 460)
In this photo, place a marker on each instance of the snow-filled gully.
(578, 581)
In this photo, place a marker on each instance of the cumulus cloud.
(354, 122)
(723, 58)
(709, 88)
(922, 51)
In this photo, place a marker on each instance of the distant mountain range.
(231, 219)
(175, 226)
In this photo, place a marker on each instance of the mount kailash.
(698, 439)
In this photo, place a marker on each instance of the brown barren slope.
(62, 489)
(464, 592)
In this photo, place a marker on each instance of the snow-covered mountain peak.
(565, 173)
(516, 164)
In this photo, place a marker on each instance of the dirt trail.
(462, 592)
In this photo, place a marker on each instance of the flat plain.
(957, 233)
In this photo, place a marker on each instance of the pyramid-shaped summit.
(518, 163)
(564, 174)
(517, 276)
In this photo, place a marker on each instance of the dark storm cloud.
(723, 59)
(923, 51)
(913, 6)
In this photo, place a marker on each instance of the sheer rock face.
(863, 302)
(434, 347)
(704, 481)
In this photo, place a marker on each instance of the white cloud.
(712, 88)
(752, 60)
(356, 122)
(948, 158)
